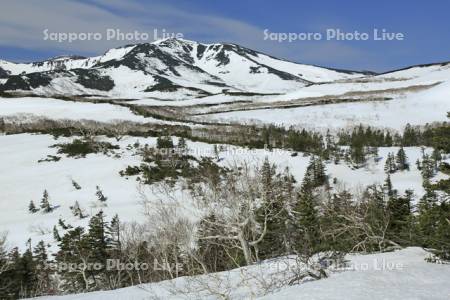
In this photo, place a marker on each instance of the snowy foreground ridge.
(401, 274)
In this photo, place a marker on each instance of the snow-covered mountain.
(171, 68)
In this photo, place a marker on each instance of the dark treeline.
(267, 136)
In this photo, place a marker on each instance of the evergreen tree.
(63, 225)
(402, 160)
(164, 142)
(22, 274)
(389, 166)
(388, 187)
(320, 176)
(428, 214)
(43, 273)
(307, 220)
(436, 157)
(45, 204)
(272, 214)
(428, 167)
(77, 211)
(400, 218)
(418, 165)
(315, 172)
(114, 232)
(98, 243)
(56, 235)
(32, 207)
(331, 149)
(99, 194)
(97, 235)
(74, 249)
(267, 174)
(76, 185)
(442, 233)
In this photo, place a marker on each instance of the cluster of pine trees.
(44, 206)
(24, 275)
(398, 162)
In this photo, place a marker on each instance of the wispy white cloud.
(22, 23)
(23, 27)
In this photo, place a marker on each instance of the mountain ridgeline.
(169, 68)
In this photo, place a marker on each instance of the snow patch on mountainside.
(34, 108)
(427, 106)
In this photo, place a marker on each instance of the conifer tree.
(272, 213)
(63, 225)
(399, 210)
(74, 249)
(267, 173)
(43, 273)
(99, 194)
(27, 273)
(276, 212)
(428, 214)
(56, 235)
(76, 185)
(45, 204)
(388, 187)
(98, 240)
(307, 219)
(164, 142)
(32, 207)
(418, 165)
(389, 166)
(437, 157)
(114, 232)
(77, 211)
(315, 172)
(428, 167)
(402, 160)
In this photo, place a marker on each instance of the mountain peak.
(170, 67)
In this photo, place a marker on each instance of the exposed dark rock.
(4, 73)
(165, 85)
(200, 50)
(93, 79)
(27, 82)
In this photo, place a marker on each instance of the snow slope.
(412, 279)
(31, 108)
(417, 108)
(26, 179)
(396, 275)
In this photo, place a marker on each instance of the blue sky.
(425, 24)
